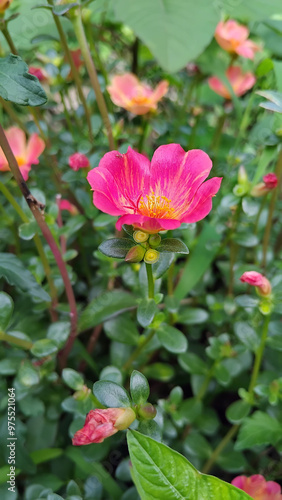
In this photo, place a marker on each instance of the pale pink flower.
(4, 4)
(26, 152)
(156, 195)
(78, 160)
(258, 280)
(66, 205)
(269, 183)
(239, 81)
(233, 37)
(258, 488)
(100, 424)
(38, 72)
(135, 96)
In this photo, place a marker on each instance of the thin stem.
(151, 285)
(218, 133)
(205, 384)
(170, 276)
(13, 115)
(9, 40)
(135, 51)
(259, 355)
(74, 71)
(266, 236)
(138, 351)
(82, 40)
(37, 211)
(144, 136)
(89, 32)
(25, 344)
(230, 434)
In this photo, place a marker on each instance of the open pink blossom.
(66, 205)
(100, 424)
(135, 96)
(26, 152)
(239, 81)
(258, 280)
(258, 488)
(4, 4)
(156, 195)
(78, 160)
(233, 37)
(269, 183)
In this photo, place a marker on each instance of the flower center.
(157, 207)
(21, 161)
(140, 99)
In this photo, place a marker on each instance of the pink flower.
(26, 153)
(100, 424)
(258, 280)
(66, 205)
(129, 93)
(78, 160)
(232, 36)
(258, 488)
(239, 81)
(4, 4)
(156, 195)
(269, 183)
(38, 72)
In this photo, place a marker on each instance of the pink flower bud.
(38, 72)
(258, 488)
(258, 280)
(269, 183)
(66, 205)
(270, 180)
(100, 424)
(78, 160)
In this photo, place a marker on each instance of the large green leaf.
(176, 31)
(17, 85)
(252, 10)
(160, 472)
(258, 429)
(15, 273)
(6, 310)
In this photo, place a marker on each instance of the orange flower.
(131, 94)
(232, 36)
(26, 152)
(4, 4)
(239, 81)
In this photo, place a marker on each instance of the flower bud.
(147, 411)
(125, 419)
(269, 183)
(151, 256)
(140, 236)
(4, 4)
(242, 175)
(263, 287)
(135, 254)
(155, 240)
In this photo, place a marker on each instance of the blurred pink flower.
(258, 280)
(66, 205)
(156, 195)
(26, 152)
(239, 81)
(232, 36)
(269, 183)
(78, 160)
(38, 72)
(270, 180)
(4, 4)
(129, 93)
(258, 488)
(100, 424)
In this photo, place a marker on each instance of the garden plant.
(140, 249)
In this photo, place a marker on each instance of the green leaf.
(173, 245)
(28, 230)
(193, 316)
(15, 273)
(160, 472)
(17, 85)
(163, 264)
(192, 363)
(105, 306)
(246, 240)
(116, 248)
(253, 10)
(159, 371)
(247, 335)
(258, 429)
(59, 332)
(175, 32)
(73, 379)
(111, 395)
(6, 310)
(146, 311)
(139, 388)
(172, 339)
(122, 329)
(60, 10)
(237, 411)
(28, 375)
(44, 347)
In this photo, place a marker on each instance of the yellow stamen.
(156, 206)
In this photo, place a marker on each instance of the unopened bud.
(151, 256)
(140, 236)
(135, 254)
(147, 411)
(242, 175)
(82, 394)
(125, 419)
(155, 240)
(86, 15)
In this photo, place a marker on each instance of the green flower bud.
(151, 256)
(147, 411)
(140, 236)
(155, 240)
(135, 254)
(125, 419)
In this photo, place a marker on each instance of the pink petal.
(202, 202)
(105, 204)
(123, 88)
(25, 169)
(140, 221)
(138, 109)
(17, 140)
(248, 49)
(239, 482)
(35, 147)
(160, 90)
(217, 86)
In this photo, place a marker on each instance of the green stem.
(259, 355)
(151, 285)
(259, 214)
(67, 115)
(146, 126)
(96, 56)
(74, 71)
(218, 133)
(138, 351)
(170, 276)
(266, 236)
(230, 434)
(9, 40)
(13, 115)
(82, 40)
(205, 384)
(25, 344)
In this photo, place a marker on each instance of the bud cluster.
(145, 248)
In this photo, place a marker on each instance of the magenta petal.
(140, 221)
(239, 482)
(105, 204)
(202, 203)
(25, 171)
